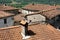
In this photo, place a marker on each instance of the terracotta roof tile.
(39, 7)
(6, 7)
(58, 6)
(11, 33)
(19, 17)
(5, 14)
(48, 10)
(52, 13)
(44, 32)
(49, 13)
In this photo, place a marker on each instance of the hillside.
(21, 3)
(40, 1)
(5, 1)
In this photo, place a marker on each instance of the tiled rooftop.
(5, 14)
(58, 6)
(39, 7)
(44, 32)
(3, 7)
(19, 17)
(48, 10)
(11, 33)
(51, 14)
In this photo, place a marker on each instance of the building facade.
(25, 11)
(35, 18)
(5, 22)
(9, 9)
(6, 19)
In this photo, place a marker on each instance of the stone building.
(6, 19)
(9, 9)
(51, 13)
(35, 18)
(32, 8)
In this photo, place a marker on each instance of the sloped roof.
(11, 33)
(58, 6)
(39, 7)
(44, 32)
(19, 17)
(51, 14)
(2, 7)
(5, 14)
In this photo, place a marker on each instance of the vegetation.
(21, 3)
(40, 1)
(5, 1)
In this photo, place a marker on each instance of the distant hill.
(21, 3)
(5, 1)
(31, 1)
(39, 1)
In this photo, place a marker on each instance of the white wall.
(10, 22)
(36, 18)
(26, 12)
(1, 23)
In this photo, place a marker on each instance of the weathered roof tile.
(10, 33)
(5, 14)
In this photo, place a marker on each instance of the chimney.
(55, 6)
(4, 5)
(33, 4)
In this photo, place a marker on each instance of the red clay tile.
(5, 14)
(11, 33)
(39, 7)
(44, 32)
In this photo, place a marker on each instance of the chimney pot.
(33, 4)
(54, 4)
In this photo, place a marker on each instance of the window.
(5, 21)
